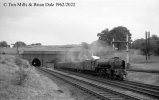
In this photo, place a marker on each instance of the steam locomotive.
(113, 68)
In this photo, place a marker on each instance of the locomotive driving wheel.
(101, 72)
(120, 77)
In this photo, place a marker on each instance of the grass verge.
(20, 81)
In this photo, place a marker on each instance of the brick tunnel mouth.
(36, 62)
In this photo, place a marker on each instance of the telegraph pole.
(148, 45)
(147, 42)
(127, 50)
(113, 44)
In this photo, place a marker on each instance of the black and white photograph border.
(79, 49)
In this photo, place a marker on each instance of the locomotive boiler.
(113, 68)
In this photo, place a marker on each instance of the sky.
(54, 25)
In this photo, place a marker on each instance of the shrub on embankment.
(20, 81)
(15, 67)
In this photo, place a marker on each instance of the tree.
(85, 45)
(155, 38)
(36, 44)
(153, 47)
(104, 35)
(156, 50)
(118, 33)
(4, 44)
(137, 43)
(150, 49)
(19, 44)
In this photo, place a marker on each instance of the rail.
(139, 88)
(93, 87)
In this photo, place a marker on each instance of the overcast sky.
(73, 25)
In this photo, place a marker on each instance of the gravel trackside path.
(74, 92)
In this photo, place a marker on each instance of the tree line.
(119, 34)
(17, 44)
(153, 46)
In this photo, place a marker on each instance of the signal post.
(127, 48)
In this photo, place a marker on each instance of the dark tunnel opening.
(36, 62)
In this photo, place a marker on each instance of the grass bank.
(20, 81)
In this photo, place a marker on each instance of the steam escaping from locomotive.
(95, 58)
(95, 50)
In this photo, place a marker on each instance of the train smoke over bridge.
(43, 58)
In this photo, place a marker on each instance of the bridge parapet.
(43, 56)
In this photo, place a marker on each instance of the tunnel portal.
(36, 62)
(42, 58)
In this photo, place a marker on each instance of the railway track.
(95, 88)
(144, 71)
(139, 88)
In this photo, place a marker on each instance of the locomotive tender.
(111, 68)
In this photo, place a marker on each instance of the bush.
(22, 74)
(3, 53)
(18, 62)
(153, 48)
(3, 44)
(21, 77)
(156, 51)
(3, 62)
